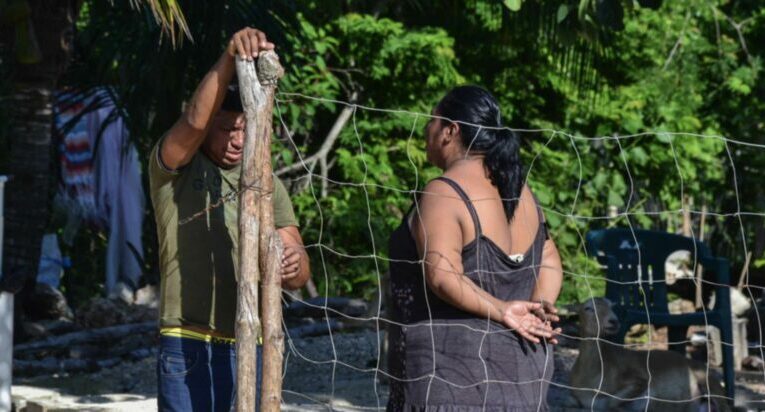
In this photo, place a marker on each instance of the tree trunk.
(29, 139)
(26, 209)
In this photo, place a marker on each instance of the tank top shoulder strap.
(468, 203)
(545, 231)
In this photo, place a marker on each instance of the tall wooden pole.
(269, 72)
(259, 246)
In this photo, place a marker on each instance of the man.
(195, 167)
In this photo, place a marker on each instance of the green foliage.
(629, 86)
(513, 5)
(651, 91)
(366, 55)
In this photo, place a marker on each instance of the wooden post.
(269, 72)
(700, 269)
(743, 280)
(259, 245)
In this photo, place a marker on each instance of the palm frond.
(169, 16)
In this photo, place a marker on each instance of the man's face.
(225, 139)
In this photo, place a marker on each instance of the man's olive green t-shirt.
(198, 244)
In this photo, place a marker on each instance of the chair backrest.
(636, 271)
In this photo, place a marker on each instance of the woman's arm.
(550, 275)
(439, 239)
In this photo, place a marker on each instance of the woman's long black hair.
(477, 113)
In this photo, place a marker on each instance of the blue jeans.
(193, 375)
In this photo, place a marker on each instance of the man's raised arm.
(182, 141)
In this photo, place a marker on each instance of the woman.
(473, 273)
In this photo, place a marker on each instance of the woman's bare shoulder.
(437, 190)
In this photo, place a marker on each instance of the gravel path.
(315, 380)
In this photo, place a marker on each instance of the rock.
(753, 363)
(47, 302)
(101, 312)
(122, 292)
(35, 407)
(679, 306)
(636, 331)
(34, 330)
(147, 296)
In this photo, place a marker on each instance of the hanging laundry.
(106, 186)
(76, 160)
(120, 197)
(52, 263)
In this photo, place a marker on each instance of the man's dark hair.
(233, 101)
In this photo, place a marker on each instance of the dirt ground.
(322, 373)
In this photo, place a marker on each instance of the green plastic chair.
(637, 287)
